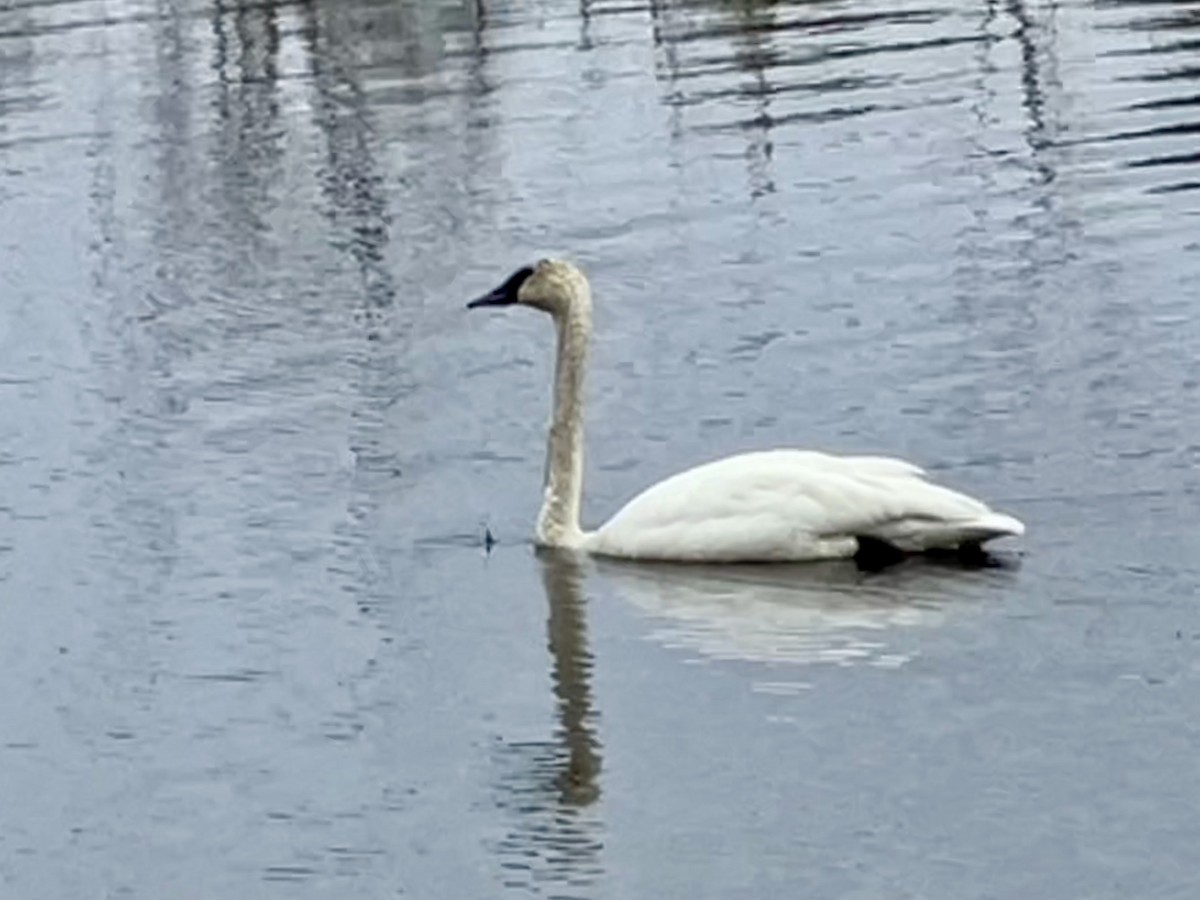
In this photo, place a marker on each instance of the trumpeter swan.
(768, 506)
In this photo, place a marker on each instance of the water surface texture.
(250, 441)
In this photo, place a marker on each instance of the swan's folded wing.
(882, 466)
(793, 505)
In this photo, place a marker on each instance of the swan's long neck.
(558, 522)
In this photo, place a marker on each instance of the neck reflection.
(550, 787)
(566, 628)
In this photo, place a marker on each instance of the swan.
(764, 506)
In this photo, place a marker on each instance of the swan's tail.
(917, 535)
(986, 527)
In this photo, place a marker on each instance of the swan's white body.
(770, 506)
(788, 505)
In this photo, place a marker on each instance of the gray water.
(250, 441)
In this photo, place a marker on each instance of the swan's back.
(794, 505)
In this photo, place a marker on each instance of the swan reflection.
(562, 578)
(551, 786)
(831, 613)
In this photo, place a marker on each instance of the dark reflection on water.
(357, 201)
(548, 786)
(249, 439)
(566, 627)
(1171, 90)
(772, 44)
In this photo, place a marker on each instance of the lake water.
(250, 442)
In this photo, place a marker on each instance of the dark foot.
(874, 555)
(973, 555)
(970, 556)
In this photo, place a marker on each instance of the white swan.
(770, 506)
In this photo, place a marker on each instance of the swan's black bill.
(506, 294)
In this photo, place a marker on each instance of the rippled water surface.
(250, 442)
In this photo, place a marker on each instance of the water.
(250, 442)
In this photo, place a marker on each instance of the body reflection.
(829, 613)
(551, 786)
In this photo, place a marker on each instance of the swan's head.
(553, 285)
